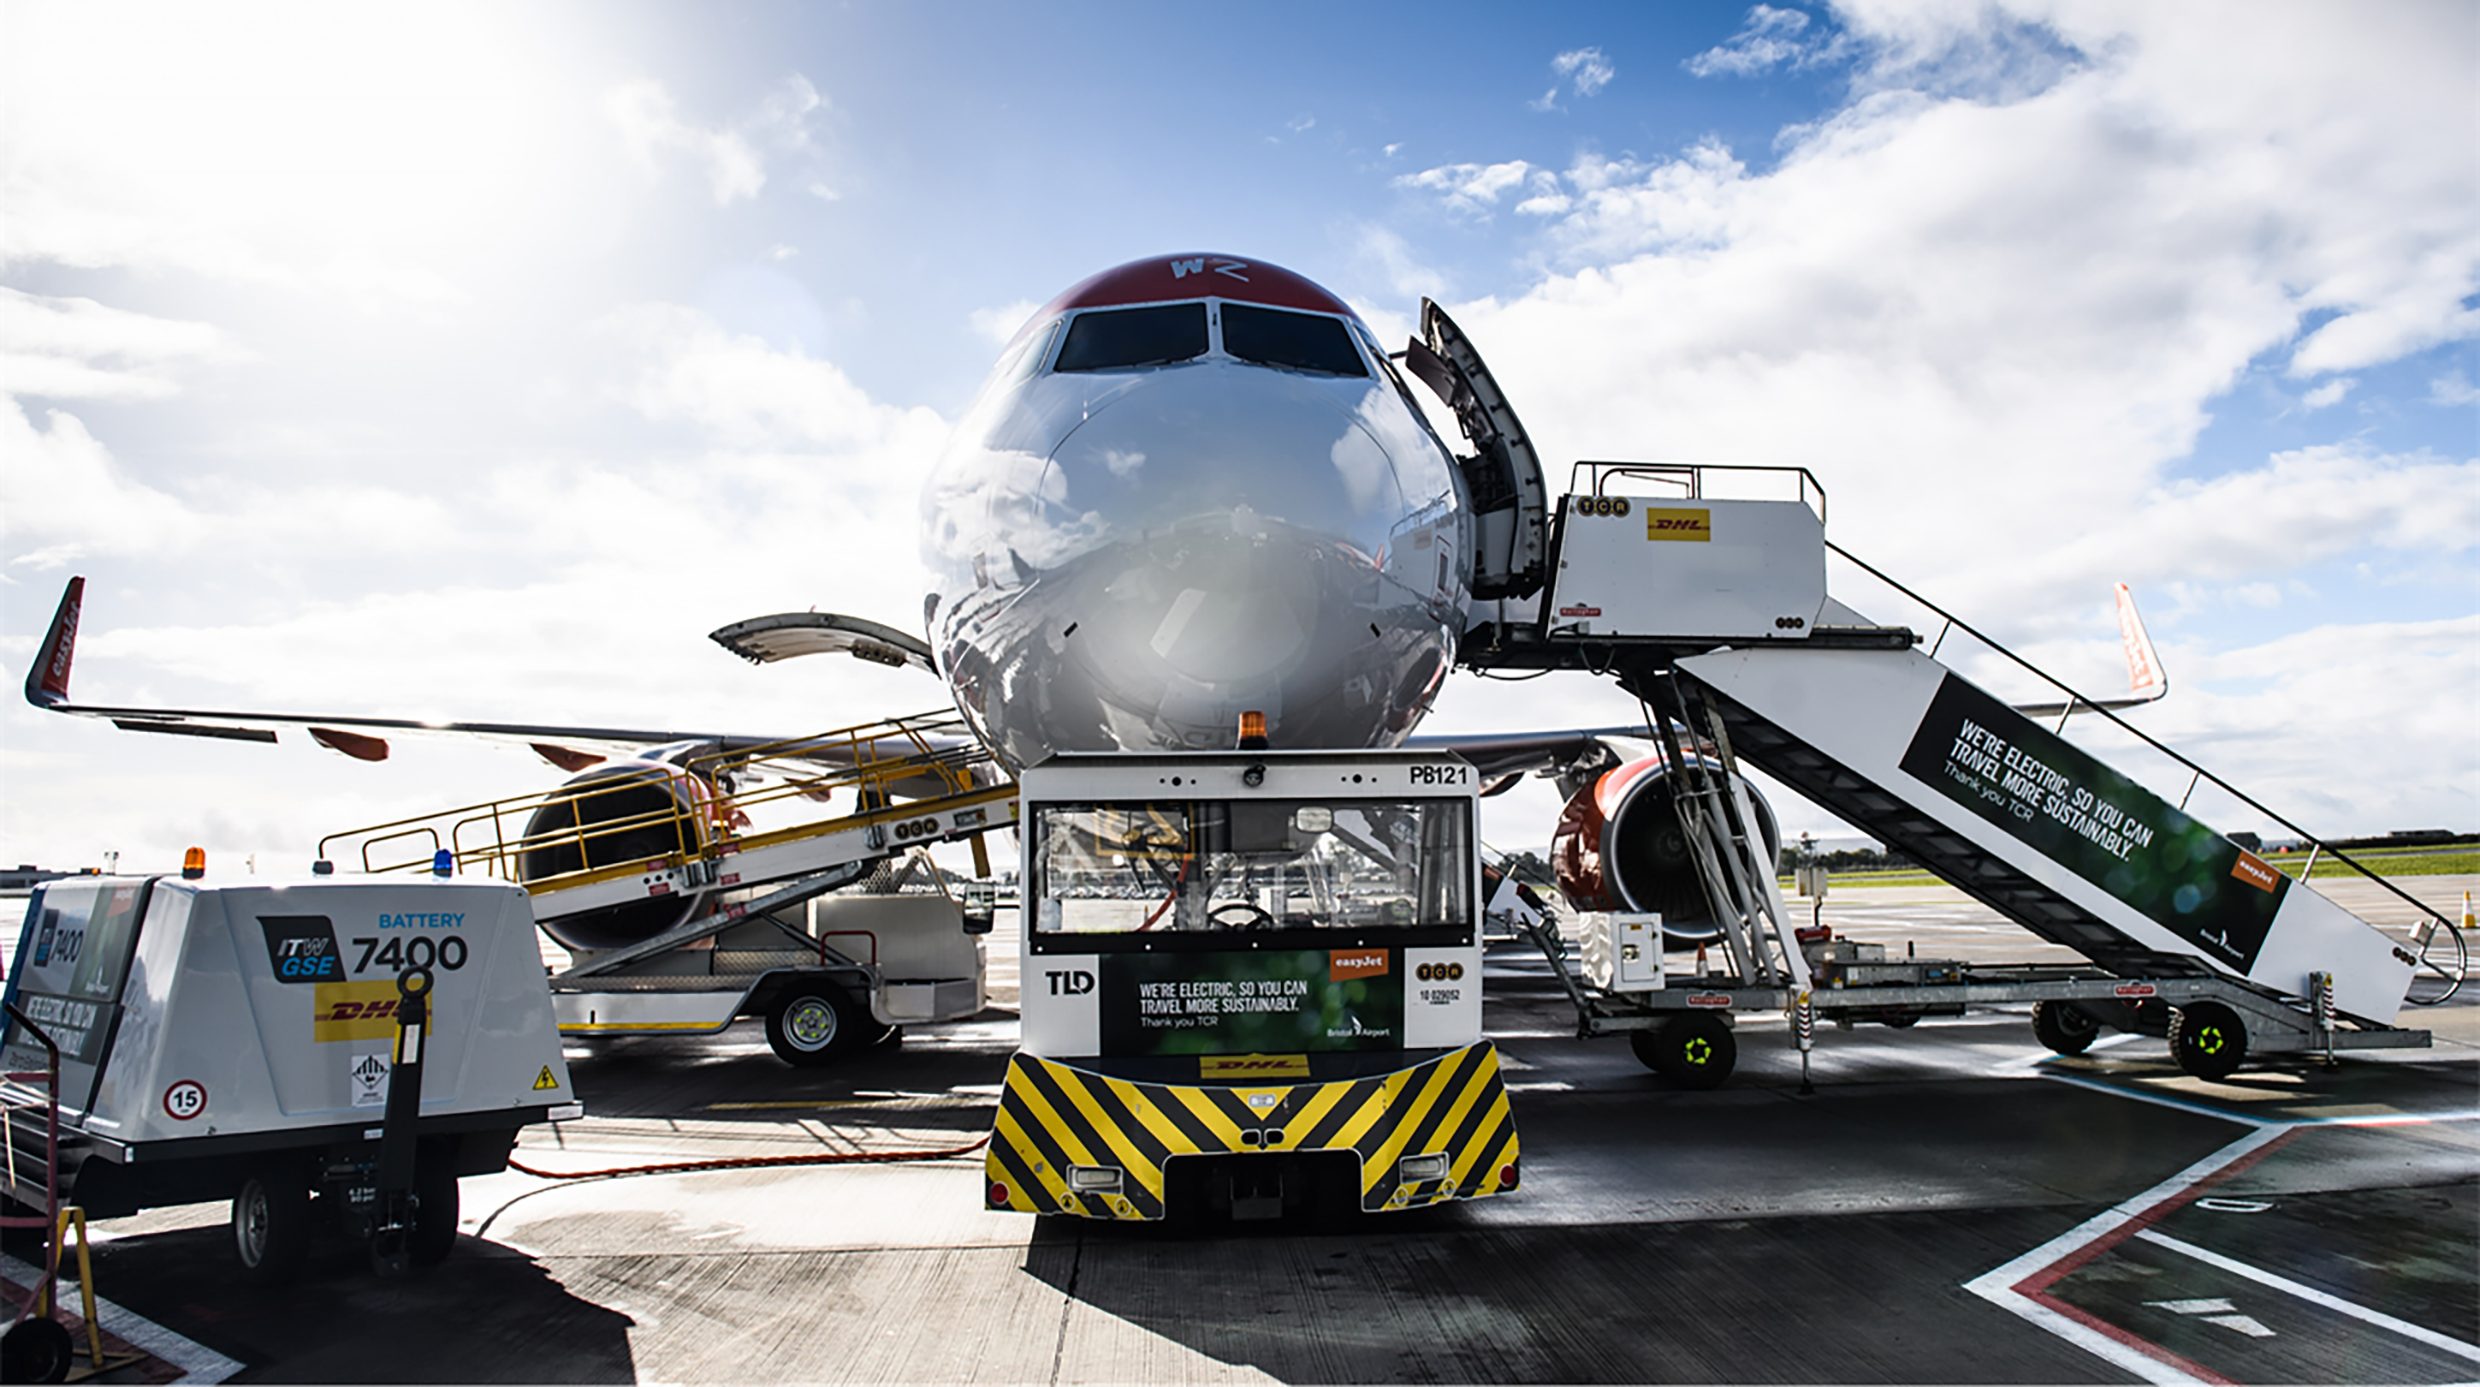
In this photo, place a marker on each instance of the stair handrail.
(1689, 477)
(2090, 705)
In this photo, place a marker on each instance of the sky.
(475, 361)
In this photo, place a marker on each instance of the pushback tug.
(1252, 985)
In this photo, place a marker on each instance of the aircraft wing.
(2146, 679)
(571, 747)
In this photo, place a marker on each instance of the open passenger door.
(1502, 478)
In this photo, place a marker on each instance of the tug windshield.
(1233, 873)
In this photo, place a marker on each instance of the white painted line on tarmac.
(2314, 1296)
(197, 1362)
(2164, 1100)
(2204, 1109)
(2021, 1286)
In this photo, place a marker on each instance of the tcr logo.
(1069, 982)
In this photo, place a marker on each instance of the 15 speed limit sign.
(185, 1100)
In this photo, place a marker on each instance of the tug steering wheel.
(1253, 915)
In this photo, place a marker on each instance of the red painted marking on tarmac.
(2036, 1286)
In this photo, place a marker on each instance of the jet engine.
(612, 815)
(1619, 846)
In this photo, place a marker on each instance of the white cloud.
(1586, 68)
(63, 496)
(733, 157)
(1770, 37)
(1583, 71)
(65, 348)
(681, 366)
(1471, 188)
(1544, 198)
(2453, 390)
(2330, 393)
(1000, 324)
(190, 151)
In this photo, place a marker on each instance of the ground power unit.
(327, 1054)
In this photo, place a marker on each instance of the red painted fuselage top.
(1166, 278)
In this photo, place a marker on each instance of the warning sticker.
(544, 1080)
(370, 1078)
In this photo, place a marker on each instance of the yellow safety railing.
(688, 809)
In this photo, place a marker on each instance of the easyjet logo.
(1676, 524)
(56, 675)
(1345, 964)
(2254, 871)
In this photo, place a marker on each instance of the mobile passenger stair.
(1713, 610)
(694, 886)
(1714, 613)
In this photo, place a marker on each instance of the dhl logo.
(353, 1011)
(1253, 1067)
(1675, 524)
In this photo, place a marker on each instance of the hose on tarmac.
(752, 1163)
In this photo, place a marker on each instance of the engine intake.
(611, 816)
(1619, 846)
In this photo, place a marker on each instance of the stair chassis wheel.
(1695, 1050)
(2208, 1040)
(2064, 1027)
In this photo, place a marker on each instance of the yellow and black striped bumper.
(1053, 1117)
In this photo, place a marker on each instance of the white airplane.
(1192, 486)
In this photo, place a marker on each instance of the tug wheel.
(271, 1223)
(814, 1023)
(37, 1349)
(434, 1217)
(2208, 1040)
(2064, 1027)
(1695, 1051)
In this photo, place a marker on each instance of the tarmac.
(1952, 1204)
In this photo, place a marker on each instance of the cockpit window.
(1294, 341)
(1120, 338)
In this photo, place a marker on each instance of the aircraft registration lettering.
(1197, 265)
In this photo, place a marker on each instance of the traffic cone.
(1702, 970)
(2468, 922)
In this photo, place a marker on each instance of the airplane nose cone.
(1204, 540)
